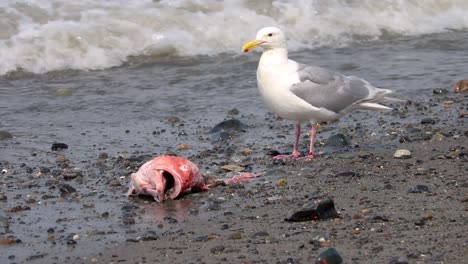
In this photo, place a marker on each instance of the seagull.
(300, 92)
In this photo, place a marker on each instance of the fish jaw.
(165, 177)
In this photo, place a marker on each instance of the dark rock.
(329, 256)
(319, 240)
(66, 190)
(220, 136)
(440, 91)
(273, 153)
(20, 208)
(232, 125)
(419, 189)
(420, 222)
(5, 135)
(226, 130)
(204, 238)
(399, 260)
(427, 120)
(72, 174)
(44, 170)
(323, 209)
(260, 234)
(232, 112)
(377, 218)
(217, 250)
(149, 236)
(59, 146)
(346, 174)
(338, 140)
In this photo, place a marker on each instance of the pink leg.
(313, 131)
(295, 153)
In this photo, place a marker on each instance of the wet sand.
(68, 205)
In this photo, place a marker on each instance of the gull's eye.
(270, 34)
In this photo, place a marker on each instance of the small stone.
(233, 112)
(72, 174)
(173, 119)
(402, 154)
(399, 260)
(329, 256)
(281, 183)
(66, 190)
(440, 91)
(321, 210)
(260, 234)
(232, 125)
(233, 168)
(420, 222)
(103, 155)
(183, 146)
(236, 235)
(76, 237)
(320, 240)
(419, 189)
(246, 151)
(5, 135)
(273, 153)
(338, 140)
(217, 250)
(58, 146)
(346, 174)
(426, 121)
(44, 170)
(20, 208)
(437, 137)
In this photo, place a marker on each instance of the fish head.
(173, 176)
(461, 86)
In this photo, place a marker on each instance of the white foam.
(41, 36)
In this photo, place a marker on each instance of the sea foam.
(40, 36)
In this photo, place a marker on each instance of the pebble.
(58, 146)
(246, 151)
(260, 234)
(329, 256)
(217, 250)
(419, 189)
(440, 91)
(427, 120)
(233, 168)
(183, 146)
(420, 222)
(399, 260)
(402, 154)
(320, 240)
(346, 174)
(323, 209)
(5, 135)
(66, 190)
(338, 140)
(226, 130)
(236, 235)
(72, 174)
(281, 183)
(173, 119)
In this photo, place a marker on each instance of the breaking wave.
(40, 36)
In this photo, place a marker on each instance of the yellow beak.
(251, 45)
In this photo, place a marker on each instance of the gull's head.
(267, 38)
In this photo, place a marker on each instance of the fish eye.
(270, 34)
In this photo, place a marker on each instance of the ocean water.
(87, 71)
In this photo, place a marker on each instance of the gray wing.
(324, 88)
